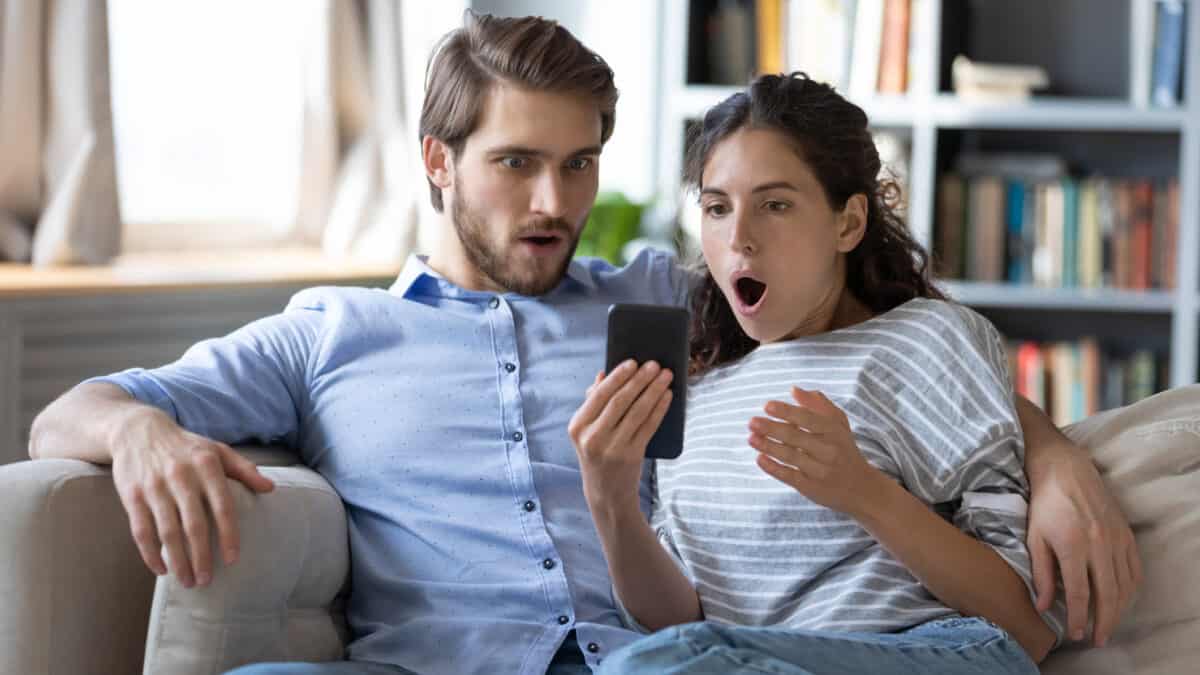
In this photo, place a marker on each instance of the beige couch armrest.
(76, 593)
(278, 602)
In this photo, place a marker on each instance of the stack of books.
(1073, 380)
(1045, 228)
(861, 47)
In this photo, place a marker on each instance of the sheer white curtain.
(58, 193)
(361, 180)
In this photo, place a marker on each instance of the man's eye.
(579, 164)
(513, 162)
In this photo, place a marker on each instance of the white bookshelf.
(925, 111)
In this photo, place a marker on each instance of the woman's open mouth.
(750, 293)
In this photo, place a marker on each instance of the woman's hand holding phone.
(611, 429)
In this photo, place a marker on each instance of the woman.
(859, 524)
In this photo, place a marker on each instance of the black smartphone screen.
(654, 333)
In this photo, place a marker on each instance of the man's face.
(523, 186)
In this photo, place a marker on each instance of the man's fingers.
(194, 518)
(170, 531)
(1105, 594)
(1075, 581)
(1042, 560)
(145, 534)
(243, 470)
(223, 508)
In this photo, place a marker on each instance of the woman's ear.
(852, 223)
(438, 162)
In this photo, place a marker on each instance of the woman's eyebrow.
(779, 184)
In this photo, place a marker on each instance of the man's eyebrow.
(534, 152)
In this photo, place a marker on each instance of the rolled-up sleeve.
(251, 385)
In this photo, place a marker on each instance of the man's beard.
(497, 265)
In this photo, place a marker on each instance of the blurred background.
(171, 169)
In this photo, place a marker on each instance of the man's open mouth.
(749, 290)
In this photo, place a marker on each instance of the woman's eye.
(714, 210)
(776, 206)
(513, 162)
(579, 164)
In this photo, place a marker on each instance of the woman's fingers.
(599, 393)
(790, 435)
(643, 407)
(642, 437)
(800, 416)
(622, 400)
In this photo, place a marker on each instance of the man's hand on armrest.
(1076, 523)
(168, 478)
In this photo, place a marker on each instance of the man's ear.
(852, 223)
(439, 162)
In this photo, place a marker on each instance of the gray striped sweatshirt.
(927, 392)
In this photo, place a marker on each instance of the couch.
(78, 600)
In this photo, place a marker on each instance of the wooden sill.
(191, 271)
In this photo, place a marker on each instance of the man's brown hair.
(529, 52)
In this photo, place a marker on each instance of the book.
(1168, 53)
(864, 61)
(893, 48)
(1141, 255)
(951, 219)
(1090, 237)
(1016, 256)
(818, 39)
(730, 36)
(1141, 50)
(987, 232)
(1070, 262)
(768, 16)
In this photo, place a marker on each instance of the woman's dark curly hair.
(886, 269)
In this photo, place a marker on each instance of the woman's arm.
(951, 565)
(610, 432)
(649, 583)
(1076, 525)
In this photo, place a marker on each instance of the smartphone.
(654, 333)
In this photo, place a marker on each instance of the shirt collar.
(417, 275)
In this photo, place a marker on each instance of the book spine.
(1168, 53)
(893, 50)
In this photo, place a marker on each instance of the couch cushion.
(278, 602)
(1149, 454)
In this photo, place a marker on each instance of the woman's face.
(770, 238)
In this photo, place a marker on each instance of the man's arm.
(167, 478)
(165, 432)
(1074, 521)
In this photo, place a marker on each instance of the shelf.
(1032, 297)
(692, 101)
(948, 112)
(1056, 113)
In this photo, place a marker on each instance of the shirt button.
(510, 367)
(518, 436)
(494, 303)
(593, 647)
(564, 620)
(548, 564)
(530, 506)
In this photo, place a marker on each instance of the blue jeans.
(958, 646)
(567, 661)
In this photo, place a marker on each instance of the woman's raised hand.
(810, 447)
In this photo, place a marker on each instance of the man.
(439, 410)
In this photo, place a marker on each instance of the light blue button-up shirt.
(440, 416)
